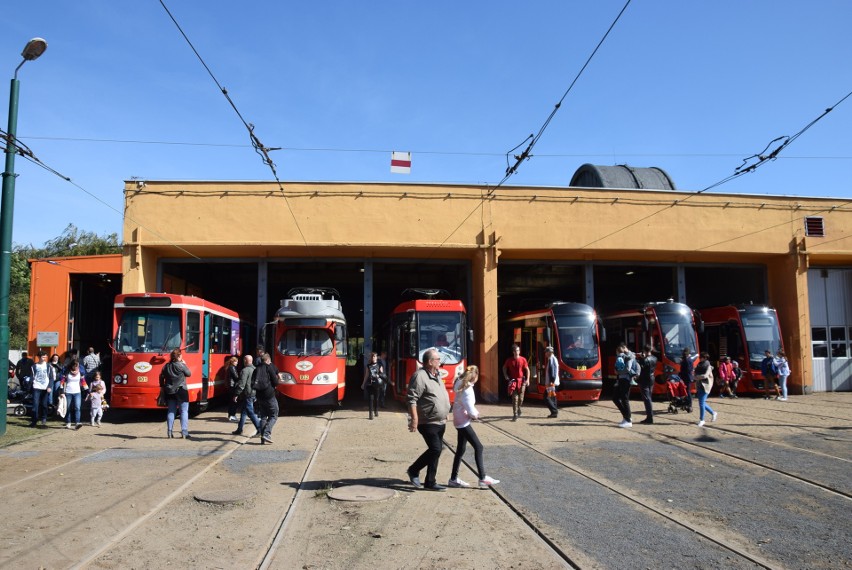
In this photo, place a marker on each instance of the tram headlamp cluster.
(120, 379)
(668, 369)
(565, 375)
(597, 373)
(459, 370)
(324, 378)
(286, 378)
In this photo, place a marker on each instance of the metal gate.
(830, 300)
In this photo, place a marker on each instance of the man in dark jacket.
(263, 381)
(244, 397)
(647, 371)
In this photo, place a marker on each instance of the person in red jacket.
(726, 376)
(516, 370)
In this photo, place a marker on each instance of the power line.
(759, 159)
(258, 146)
(525, 155)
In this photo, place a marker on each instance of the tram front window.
(443, 332)
(677, 333)
(306, 342)
(143, 331)
(761, 334)
(578, 342)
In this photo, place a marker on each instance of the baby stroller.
(17, 398)
(679, 397)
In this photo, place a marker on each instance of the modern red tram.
(420, 324)
(148, 326)
(745, 333)
(574, 332)
(309, 347)
(668, 326)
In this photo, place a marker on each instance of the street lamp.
(34, 48)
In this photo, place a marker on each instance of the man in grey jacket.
(428, 406)
(244, 397)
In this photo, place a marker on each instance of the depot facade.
(265, 228)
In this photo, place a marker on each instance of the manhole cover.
(361, 493)
(226, 497)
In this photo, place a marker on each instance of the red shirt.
(516, 368)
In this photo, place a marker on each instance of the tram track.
(623, 493)
(731, 455)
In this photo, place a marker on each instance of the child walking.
(464, 410)
(96, 399)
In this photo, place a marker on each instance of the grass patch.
(18, 430)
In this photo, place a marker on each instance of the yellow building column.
(788, 293)
(485, 301)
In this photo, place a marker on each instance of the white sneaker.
(68, 426)
(488, 481)
(701, 423)
(782, 399)
(457, 483)
(232, 418)
(625, 424)
(715, 415)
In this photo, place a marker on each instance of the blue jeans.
(782, 383)
(247, 409)
(702, 401)
(54, 395)
(184, 415)
(40, 401)
(73, 401)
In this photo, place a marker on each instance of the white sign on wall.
(47, 339)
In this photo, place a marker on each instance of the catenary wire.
(260, 149)
(525, 155)
(762, 158)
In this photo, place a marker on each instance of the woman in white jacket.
(464, 410)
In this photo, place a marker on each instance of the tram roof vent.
(308, 297)
(621, 176)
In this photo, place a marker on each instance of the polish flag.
(401, 162)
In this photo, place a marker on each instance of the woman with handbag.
(704, 377)
(173, 382)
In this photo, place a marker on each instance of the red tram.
(573, 329)
(148, 326)
(309, 347)
(420, 324)
(745, 333)
(668, 326)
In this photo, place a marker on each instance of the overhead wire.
(26, 153)
(760, 158)
(260, 149)
(526, 154)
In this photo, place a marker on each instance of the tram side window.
(340, 339)
(193, 331)
(819, 344)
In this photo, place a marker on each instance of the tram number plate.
(581, 368)
(141, 378)
(304, 377)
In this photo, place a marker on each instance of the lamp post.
(34, 48)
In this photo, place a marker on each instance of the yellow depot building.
(502, 251)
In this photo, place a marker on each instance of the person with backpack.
(244, 397)
(647, 371)
(624, 368)
(173, 381)
(263, 382)
(770, 373)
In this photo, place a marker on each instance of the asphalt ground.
(768, 485)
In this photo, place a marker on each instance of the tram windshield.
(578, 340)
(306, 342)
(761, 332)
(148, 331)
(677, 333)
(444, 332)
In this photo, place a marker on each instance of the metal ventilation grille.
(814, 227)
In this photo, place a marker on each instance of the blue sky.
(691, 87)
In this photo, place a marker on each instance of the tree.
(72, 242)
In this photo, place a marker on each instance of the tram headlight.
(120, 379)
(286, 378)
(459, 370)
(565, 375)
(668, 369)
(325, 378)
(597, 373)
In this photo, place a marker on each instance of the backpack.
(620, 364)
(635, 370)
(261, 383)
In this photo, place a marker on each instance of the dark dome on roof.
(621, 176)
